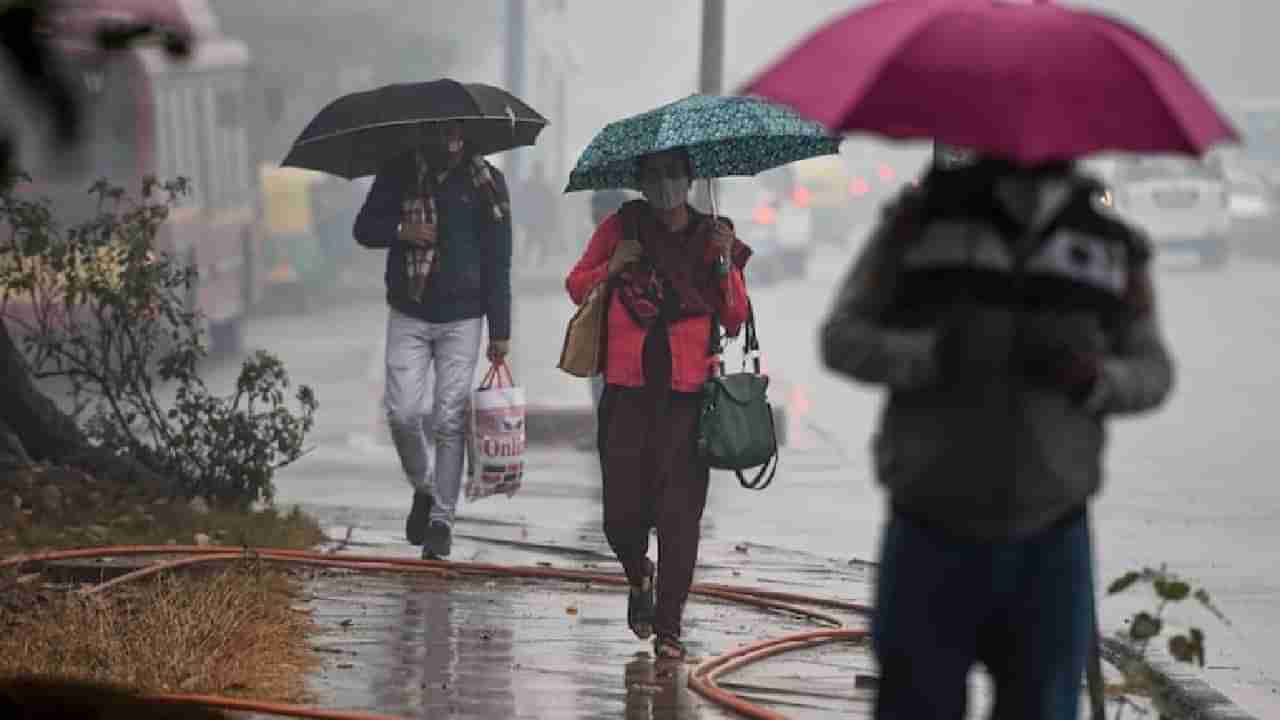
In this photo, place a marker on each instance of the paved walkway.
(507, 648)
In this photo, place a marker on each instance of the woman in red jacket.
(677, 271)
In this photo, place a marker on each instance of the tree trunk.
(34, 428)
(12, 453)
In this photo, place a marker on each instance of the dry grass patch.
(230, 632)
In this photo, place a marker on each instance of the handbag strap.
(630, 231)
(761, 481)
(751, 346)
(764, 478)
(494, 375)
(715, 344)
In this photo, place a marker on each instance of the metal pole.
(515, 70)
(710, 72)
(516, 60)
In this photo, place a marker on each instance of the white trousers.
(431, 441)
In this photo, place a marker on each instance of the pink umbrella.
(1029, 82)
(84, 22)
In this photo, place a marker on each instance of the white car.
(1254, 206)
(1183, 204)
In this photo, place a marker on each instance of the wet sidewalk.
(808, 534)
(501, 647)
(514, 648)
(520, 649)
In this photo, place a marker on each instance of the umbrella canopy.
(116, 24)
(356, 134)
(1028, 82)
(724, 136)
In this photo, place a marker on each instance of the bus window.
(166, 133)
(226, 142)
(189, 150)
(176, 140)
(111, 148)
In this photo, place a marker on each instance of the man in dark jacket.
(1008, 314)
(437, 311)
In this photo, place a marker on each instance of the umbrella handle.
(715, 217)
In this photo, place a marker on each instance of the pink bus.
(152, 115)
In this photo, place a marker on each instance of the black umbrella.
(356, 134)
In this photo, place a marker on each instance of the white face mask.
(952, 157)
(667, 193)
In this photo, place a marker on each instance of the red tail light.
(764, 215)
(800, 196)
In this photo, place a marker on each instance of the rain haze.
(1192, 486)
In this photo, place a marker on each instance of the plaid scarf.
(420, 206)
(481, 173)
(672, 280)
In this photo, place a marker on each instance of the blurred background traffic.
(274, 239)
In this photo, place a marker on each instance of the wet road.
(1192, 486)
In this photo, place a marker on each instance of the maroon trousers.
(653, 478)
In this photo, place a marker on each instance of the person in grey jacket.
(1008, 314)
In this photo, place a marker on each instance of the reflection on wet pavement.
(1165, 482)
(502, 648)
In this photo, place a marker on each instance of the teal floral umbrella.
(725, 136)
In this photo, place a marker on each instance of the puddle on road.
(425, 647)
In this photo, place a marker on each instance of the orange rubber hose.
(384, 562)
(747, 598)
(267, 556)
(218, 702)
(702, 679)
(793, 597)
(158, 568)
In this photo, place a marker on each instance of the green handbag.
(735, 426)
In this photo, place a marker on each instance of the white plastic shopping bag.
(497, 442)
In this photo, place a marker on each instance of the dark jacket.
(473, 276)
(1001, 457)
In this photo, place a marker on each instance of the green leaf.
(1123, 583)
(1197, 642)
(1182, 648)
(1172, 590)
(141, 331)
(1202, 596)
(1145, 626)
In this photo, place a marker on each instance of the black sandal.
(640, 607)
(666, 647)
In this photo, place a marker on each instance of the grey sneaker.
(438, 542)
